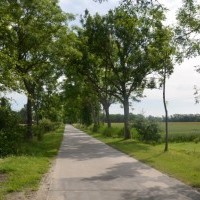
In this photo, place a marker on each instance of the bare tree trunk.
(127, 134)
(29, 134)
(166, 112)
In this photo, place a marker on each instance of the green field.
(183, 127)
(178, 131)
(182, 161)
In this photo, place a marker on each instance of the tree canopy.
(30, 38)
(108, 58)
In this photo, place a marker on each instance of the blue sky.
(180, 86)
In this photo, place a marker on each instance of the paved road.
(87, 169)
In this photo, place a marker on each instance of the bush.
(108, 132)
(45, 126)
(95, 128)
(196, 140)
(10, 142)
(9, 120)
(148, 130)
(113, 132)
(11, 134)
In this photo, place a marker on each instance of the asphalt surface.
(87, 169)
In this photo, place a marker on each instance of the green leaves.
(34, 40)
(188, 29)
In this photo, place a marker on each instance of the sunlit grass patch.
(24, 172)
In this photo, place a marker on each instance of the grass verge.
(181, 162)
(24, 172)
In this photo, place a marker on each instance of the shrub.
(95, 128)
(120, 132)
(108, 132)
(10, 142)
(11, 134)
(45, 126)
(196, 140)
(9, 120)
(148, 130)
(113, 132)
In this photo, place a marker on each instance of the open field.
(182, 160)
(24, 172)
(178, 131)
(183, 128)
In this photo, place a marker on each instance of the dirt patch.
(19, 196)
(42, 193)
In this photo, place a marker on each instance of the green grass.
(183, 131)
(181, 162)
(178, 131)
(24, 172)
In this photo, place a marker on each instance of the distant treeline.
(118, 118)
(184, 118)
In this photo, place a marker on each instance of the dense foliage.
(31, 38)
(11, 134)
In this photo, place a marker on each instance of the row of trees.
(124, 52)
(130, 49)
(34, 48)
(110, 58)
(119, 118)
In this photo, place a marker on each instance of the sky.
(180, 85)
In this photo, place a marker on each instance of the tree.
(71, 98)
(30, 36)
(188, 32)
(22, 115)
(80, 103)
(188, 28)
(162, 53)
(132, 27)
(48, 104)
(95, 61)
(7, 76)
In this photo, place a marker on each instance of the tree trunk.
(106, 108)
(36, 110)
(166, 112)
(29, 134)
(95, 116)
(36, 114)
(127, 134)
